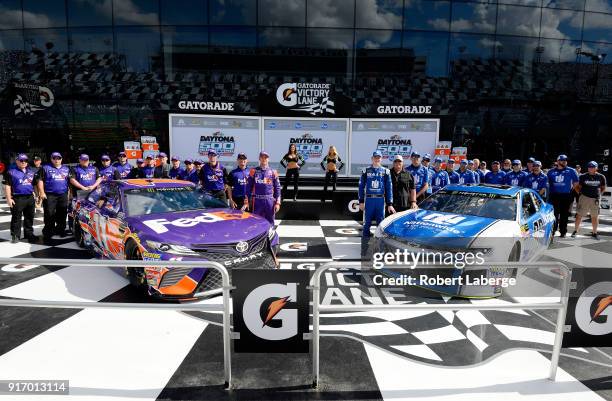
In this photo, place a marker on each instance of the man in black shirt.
(590, 186)
(404, 191)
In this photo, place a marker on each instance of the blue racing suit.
(375, 189)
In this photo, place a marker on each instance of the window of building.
(561, 24)
(138, 48)
(473, 17)
(44, 13)
(233, 12)
(136, 12)
(282, 12)
(518, 20)
(11, 16)
(185, 49)
(331, 13)
(184, 12)
(89, 13)
(427, 14)
(429, 52)
(381, 14)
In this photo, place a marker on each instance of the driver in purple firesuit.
(263, 188)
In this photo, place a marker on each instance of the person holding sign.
(292, 162)
(375, 190)
(331, 164)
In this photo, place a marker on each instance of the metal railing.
(317, 307)
(225, 307)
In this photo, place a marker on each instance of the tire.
(135, 275)
(515, 253)
(78, 233)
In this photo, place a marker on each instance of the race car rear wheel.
(78, 233)
(136, 275)
(515, 253)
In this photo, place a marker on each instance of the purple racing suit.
(263, 188)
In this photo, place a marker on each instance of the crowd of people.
(393, 189)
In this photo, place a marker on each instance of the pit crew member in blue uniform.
(238, 180)
(495, 176)
(19, 192)
(562, 180)
(473, 169)
(453, 176)
(537, 180)
(466, 176)
(426, 163)
(516, 176)
(122, 166)
(440, 178)
(420, 174)
(507, 166)
(53, 184)
(375, 190)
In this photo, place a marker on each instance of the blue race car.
(501, 223)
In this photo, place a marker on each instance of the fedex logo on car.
(159, 225)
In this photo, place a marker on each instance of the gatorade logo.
(266, 314)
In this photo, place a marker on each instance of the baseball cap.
(175, 158)
(83, 157)
(56, 154)
(415, 154)
(149, 157)
(495, 162)
(376, 153)
(37, 158)
(537, 163)
(162, 154)
(139, 161)
(263, 153)
(471, 162)
(427, 157)
(241, 156)
(463, 161)
(516, 162)
(212, 152)
(105, 157)
(562, 157)
(197, 161)
(531, 160)
(22, 157)
(122, 154)
(188, 161)
(398, 158)
(437, 160)
(451, 161)
(592, 164)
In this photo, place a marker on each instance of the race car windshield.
(472, 204)
(142, 202)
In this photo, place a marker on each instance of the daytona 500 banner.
(191, 136)
(312, 137)
(390, 137)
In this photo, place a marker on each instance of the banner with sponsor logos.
(589, 311)
(30, 98)
(191, 136)
(390, 137)
(271, 312)
(312, 137)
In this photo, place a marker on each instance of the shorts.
(588, 205)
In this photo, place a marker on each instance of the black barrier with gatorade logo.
(589, 312)
(271, 310)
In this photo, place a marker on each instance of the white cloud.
(11, 18)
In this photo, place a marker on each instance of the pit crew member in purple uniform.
(108, 172)
(237, 180)
(264, 189)
(214, 176)
(122, 166)
(189, 173)
(53, 184)
(176, 170)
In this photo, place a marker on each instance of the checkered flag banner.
(23, 107)
(325, 106)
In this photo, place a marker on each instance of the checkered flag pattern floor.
(439, 339)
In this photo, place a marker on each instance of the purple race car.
(160, 219)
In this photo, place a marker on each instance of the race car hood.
(438, 229)
(210, 226)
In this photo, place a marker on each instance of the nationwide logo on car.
(313, 98)
(308, 146)
(394, 145)
(224, 145)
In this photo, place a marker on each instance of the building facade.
(507, 78)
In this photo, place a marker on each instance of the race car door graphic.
(532, 226)
(108, 228)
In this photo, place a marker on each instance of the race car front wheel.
(136, 275)
(78, 233)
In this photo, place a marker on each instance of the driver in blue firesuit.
(375, 190)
